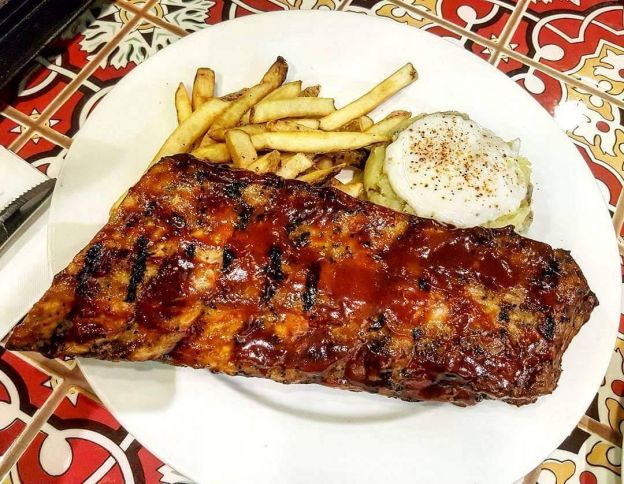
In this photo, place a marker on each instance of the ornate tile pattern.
(587, 45)
(10, 130)
(41, 153)
(569, 54)
(23, 390)
(83, 441)
(484, 17)
(586, 459)
(398, 13)
(594, 124)
(548, 7)
(144, 40)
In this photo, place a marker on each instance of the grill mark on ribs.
(91, 261)
(311, 285)
(138, 267)
(244, 215)
(259, 276)
(273, 272)
(228, 258)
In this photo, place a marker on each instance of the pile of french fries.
(283, 128)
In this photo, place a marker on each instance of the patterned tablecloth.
(569, 54)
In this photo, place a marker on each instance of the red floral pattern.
(47, 161)
(82, 440)
(596, 128)
(386, 9)
(22, 392)
(9, 130)
(580, 7)
(484, 18)
(587, 45)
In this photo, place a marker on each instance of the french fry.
(247, 128)
(388, 124)
(267, 163)
(273, 78)
(216, 153)
(320, 176)
(323, 162)
(241, 150)
(233, 96)
(182, 103)
(358, 175)
(373, 98)
(252, 129)
(206, 140)
(286, 125)
(294, 165)
(310, 123)
(183, 137)
(355, 189)
(291, 108)
(360, 124)
(349, 157)
(203, 86)
(366, 122)
(311, 91)
(315, 141)
(285, 91)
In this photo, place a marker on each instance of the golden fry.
(182, 104)
(285, 91)
(206, 141)
(360, 124)
(267, 163)
(233, 96)
(349, 157)
(323, 162)
(358, 175)
(203, 86)
(355, 189)
(294, 165)
(373, 98)
(241, 150)
(291, 108)
(286, 125)
(315, 141)
(366, 122)
(216, 153)
(273, 78)
(307, 122)
(247, 128)
(320, 176)
(311, 91)
(183, 137)
(252, 129)
(390, 123)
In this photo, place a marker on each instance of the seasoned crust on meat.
(247, 274)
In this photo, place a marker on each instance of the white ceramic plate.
(226, 430)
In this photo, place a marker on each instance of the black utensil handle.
(4, 235)
(26, 27)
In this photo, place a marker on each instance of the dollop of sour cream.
(449, 168)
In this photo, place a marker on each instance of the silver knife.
(20, 209)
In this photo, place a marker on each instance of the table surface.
(569, 54)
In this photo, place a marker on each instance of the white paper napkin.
(24, 274)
